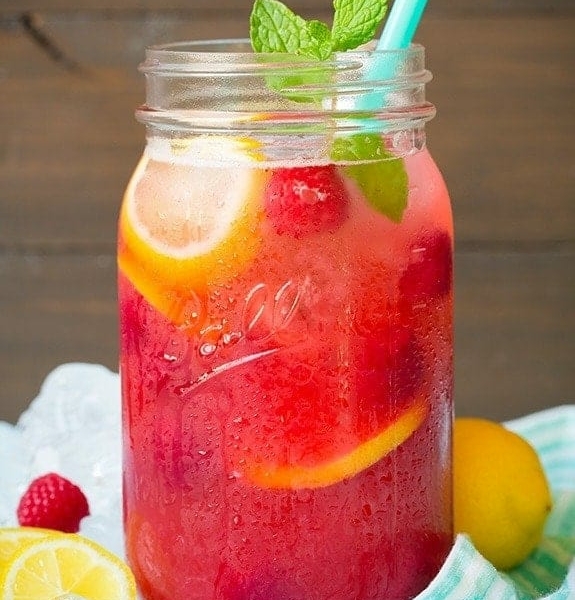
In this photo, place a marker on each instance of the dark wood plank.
(55, 309)
(515, 333)
(68, 160)
(301, 6)
(502, 135)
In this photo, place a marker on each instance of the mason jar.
(285, 297)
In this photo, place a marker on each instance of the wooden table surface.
(504, 137)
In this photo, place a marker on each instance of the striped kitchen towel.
(549, 572)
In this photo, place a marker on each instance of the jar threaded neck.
(222, 86)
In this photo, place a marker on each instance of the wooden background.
(504, 138)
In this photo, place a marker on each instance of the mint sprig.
(355, 22)
(276, 28)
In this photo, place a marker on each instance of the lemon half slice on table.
(11, 538)
(186, 222)
(53, 565)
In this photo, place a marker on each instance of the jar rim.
(180, 55)
(222, 84)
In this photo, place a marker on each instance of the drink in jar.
(286, 364)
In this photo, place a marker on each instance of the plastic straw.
(400, 27)
(401, 24)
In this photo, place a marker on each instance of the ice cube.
(14, 474)
(73, 427)
(106, 530)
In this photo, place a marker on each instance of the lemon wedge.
(187, 223)
(360, 458)
(57, 565)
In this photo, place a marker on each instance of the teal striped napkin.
(549, 572)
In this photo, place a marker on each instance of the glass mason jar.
(285, 292)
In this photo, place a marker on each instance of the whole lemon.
(500, 491)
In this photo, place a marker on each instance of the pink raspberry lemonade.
(286, 357)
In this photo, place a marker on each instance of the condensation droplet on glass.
(202, 452)
(207, 349)
(231, 338)
(234, 475)
(402, 141)
(169, 496)
(237, 519)
(305, 496)
(170, 357)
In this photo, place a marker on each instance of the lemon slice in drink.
(60, 565)
(360, 458)
(190, 219)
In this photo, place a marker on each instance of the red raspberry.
(305, 200)
(53, 502)
(391, 368)
(428, 275)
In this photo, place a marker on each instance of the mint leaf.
(275, 28)
(384, 181)
(320, 40)
(355, 22)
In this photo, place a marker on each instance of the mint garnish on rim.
(275, 28)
